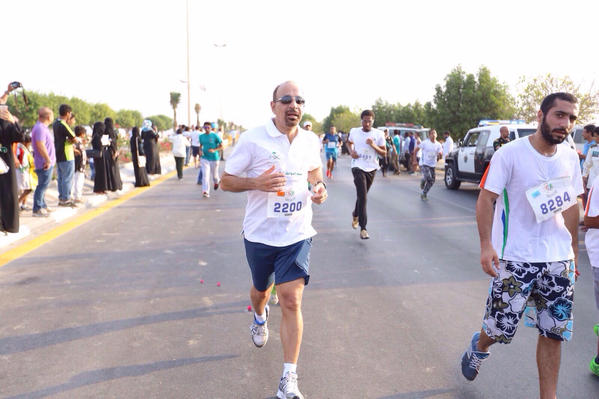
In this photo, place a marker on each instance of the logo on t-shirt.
(275, 156)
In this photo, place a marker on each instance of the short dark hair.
(548, 101)
(446, 132)
(64, 109)
(274, 93)
(589, 128)
(596, 131)
(79, 130)
(366, 112)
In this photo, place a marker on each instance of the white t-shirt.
(447, 146)
(256, 151)
(195, 138)
(591, 239)
(179, 143)
(590, 166)
(516, 235)
(368, 159)
(430, 151)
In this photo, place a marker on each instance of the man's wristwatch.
(321, 182)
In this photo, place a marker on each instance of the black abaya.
(100, 183)
(150, 146)
(9, 206)
(141, 176)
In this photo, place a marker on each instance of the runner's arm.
(484, 219)
(318, 187)
(267, 181)
(571, 219)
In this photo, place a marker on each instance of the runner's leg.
(548, 361)
(292, 324)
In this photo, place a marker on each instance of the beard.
(546, 133)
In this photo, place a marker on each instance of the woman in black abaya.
(141, 176)
(113, 173)
(100, 183)
(10, 132)
(150, 148)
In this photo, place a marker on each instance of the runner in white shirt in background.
(527, 215)
(195, 145)
(274, 164)
(364, 144)
(431, 153)
(447, 144)
(591, 241)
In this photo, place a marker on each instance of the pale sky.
(131, 54)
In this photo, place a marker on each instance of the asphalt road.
(116, 308)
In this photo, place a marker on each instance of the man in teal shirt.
(210, 144)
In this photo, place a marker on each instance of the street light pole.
(188, 80)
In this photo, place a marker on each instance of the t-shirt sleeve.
(239, 160)
(380, 139)
(351, 136)
(498, 173)
(592, 209)
(576, 176)
(315, 162)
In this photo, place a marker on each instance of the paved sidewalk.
(30, 225)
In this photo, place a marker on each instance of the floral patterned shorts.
(549, 284)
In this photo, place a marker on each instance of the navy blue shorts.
(278, 264)
(195, 151)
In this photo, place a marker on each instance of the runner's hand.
(269, 181)
(489, 260)
(320, 193)
(354, 154)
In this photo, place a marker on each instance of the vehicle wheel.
(451, 181)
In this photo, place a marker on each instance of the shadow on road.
(420, 395)
(17, 344)
(112, 373)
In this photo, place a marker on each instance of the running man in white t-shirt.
(432, 151)
(591, 241)
(529, 242)
(274, 164)
(364, 144)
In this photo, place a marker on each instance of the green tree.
(534, 90)
(465, 99)
(175, 98)
(326, 123)
(346, 120)
(101, 111)
(127, 118)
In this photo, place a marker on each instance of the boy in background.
(80, 163)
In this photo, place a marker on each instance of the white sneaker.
(288, 388)
(260, 331)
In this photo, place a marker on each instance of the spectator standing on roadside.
(10, 132)
(64, 137)
(504, 138)
(44, 159)
(101, 145)
(113, 173)
(150, 148)
(396, 151)
(26, 178)
(587, 133)
(406, 151)
(590, 167)
(447, 144)
(138, 159)
(80, 163)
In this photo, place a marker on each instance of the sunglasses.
(287, 100)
